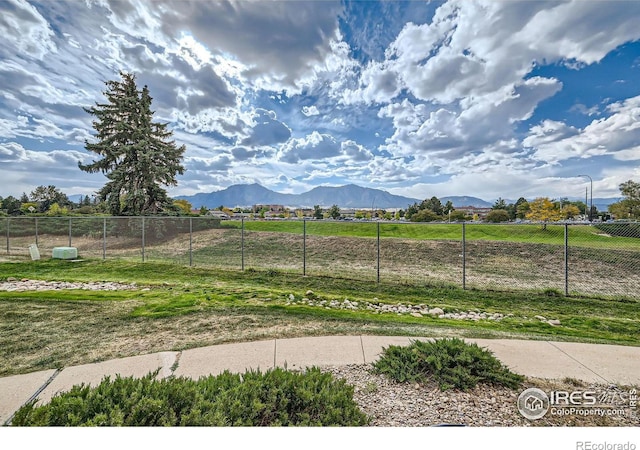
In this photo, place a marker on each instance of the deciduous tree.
(498, 215)
(629, 206)
(334, 212)
(46, 196)
(183, 205)
(425, 215)
(542, 209)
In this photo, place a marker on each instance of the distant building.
(269, 208)
(303, 212)
(474, 210)
(218, 214)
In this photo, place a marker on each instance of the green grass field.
(579, 235)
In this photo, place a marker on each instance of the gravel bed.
(392, 404)
(14, 285)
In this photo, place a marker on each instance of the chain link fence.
(602, 259)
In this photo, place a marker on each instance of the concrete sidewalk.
(543, 359)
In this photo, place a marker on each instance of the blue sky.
(484, 98)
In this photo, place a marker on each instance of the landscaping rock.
(40, 285)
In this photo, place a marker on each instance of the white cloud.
(390, 170)
(23, 28)
(377, 84)
(315, 146)
(138, 19)
(9, 128)
(450, 136)
(548, 132)
(355, 152)
(474, 48)
(28, 168)
(310, 110)
(582, 109)
(467, 70)
(11, 152)
(617, 135)
(279, 42)
(204, 166)
(266, 130)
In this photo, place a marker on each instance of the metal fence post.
(242, 245)
(104, 238)
(304, 247)
(36, 219)
(566, 259)
(378, 276)
(464, 256)
(7, 235)
(69, 231)
(190, 241)
(142, 238)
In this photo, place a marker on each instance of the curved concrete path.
(542, 359)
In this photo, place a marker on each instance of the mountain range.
(349, 196)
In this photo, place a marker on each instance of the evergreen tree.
(500, 204)
(11, 205)
(521, 208)
(448, 207)
(138, 156)
(434, 204)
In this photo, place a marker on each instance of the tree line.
(541, 209)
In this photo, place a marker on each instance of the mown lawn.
(579, 235)
(189, 307)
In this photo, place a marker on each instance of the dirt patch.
(485, 264)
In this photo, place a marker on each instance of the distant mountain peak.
(347, 196)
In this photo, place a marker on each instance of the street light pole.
(591, 205)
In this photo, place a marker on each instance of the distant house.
(218, 214)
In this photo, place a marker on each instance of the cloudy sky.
(484, 98)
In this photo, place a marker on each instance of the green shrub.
(275, 398)
(451, 363)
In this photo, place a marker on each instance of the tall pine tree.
(138, 155)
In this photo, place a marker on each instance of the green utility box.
(65, 252)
